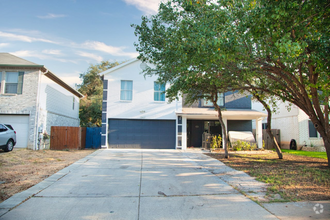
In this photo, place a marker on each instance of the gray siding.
(234, 100)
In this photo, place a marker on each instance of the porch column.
(259, 132)
(184, 133)
(223, 130)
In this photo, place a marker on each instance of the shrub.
(216, 142)
(243, 145)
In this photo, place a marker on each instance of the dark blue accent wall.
(234, 100)
(104, 112)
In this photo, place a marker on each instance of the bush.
(216, 142)
(243, 145)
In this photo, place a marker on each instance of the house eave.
(15, 66)
(229, 114)
(53, 77)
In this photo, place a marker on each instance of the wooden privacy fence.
(72, 138)
(267, 140)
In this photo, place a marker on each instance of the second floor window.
(13, 82)
(159, 92)
(126, 90)
(220, 102)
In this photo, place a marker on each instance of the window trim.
(159, 92)
(220, 95)
(1, 74)
(4, 83)
(309, 124)
(122, 90)
(73, 104)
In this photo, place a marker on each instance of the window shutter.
(20, 82)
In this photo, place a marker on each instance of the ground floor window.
(312, 130)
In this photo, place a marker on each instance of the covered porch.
(193, 122)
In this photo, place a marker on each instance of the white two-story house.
(137, 114)
(32, 99)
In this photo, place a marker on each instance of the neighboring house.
(136, 113)
(294, 125)
(32, 99)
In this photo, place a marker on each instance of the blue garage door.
(141, 134)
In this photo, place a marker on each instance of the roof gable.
(7, 59)
(11, 61)
(106, 72)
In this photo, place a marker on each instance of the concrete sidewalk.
(150, 184)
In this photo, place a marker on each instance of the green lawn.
(322, 155)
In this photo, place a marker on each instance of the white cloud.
(146, 6)
(23, 38)
(71, 80)
(51, 16)
(31, 53)
(90, 55)
(3, 45)
(52, 52)
(100, 46)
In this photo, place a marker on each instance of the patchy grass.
(322, 155)
(295, 178)
(22, 168)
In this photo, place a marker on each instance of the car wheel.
(9, 146)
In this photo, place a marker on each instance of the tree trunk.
(327, 148)
(275, 144)
(270, 134)
(269, 128)
(223, 126)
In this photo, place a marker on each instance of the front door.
(195, 132)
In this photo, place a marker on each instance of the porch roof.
(229, 114)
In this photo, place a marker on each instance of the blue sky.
(68, 35)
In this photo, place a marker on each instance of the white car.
(7, 137)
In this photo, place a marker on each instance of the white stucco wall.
(142, 105)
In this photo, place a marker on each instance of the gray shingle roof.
(9, 59)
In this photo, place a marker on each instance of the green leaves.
(280, 48)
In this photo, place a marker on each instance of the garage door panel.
(20, 124)
(145, 134)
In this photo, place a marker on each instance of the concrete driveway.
(140, 184)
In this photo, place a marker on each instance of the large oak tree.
(281, 48)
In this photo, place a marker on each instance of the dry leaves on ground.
(22, 168)
(295, 178)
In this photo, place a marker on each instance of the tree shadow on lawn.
(295, 178)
